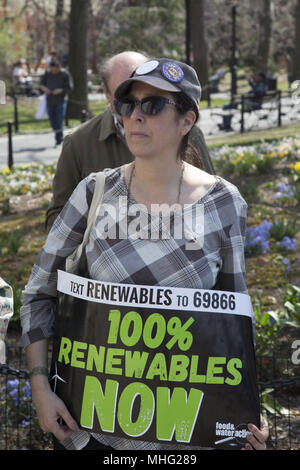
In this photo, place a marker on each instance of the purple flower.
(264, 229)
(286, 261)
(255, 243)
(285, 190)
(12, 383)
(256, 240)
(287, 243)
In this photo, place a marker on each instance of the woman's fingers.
(54, 416)
(257, 437)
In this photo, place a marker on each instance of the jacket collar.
(108, 125)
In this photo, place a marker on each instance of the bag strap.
(94, 207)
(96, 202)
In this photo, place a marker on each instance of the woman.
(159, 106)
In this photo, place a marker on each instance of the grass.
(254, 137)
(26, 116)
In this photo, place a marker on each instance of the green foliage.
(283, 228)
(14, 241)
(9, 53)
(270, 405)
(267, 327)
(270, 324)
(292, 305)
(10, 242)
(155, 27)
(265, 163)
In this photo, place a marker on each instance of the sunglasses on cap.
(151, 105)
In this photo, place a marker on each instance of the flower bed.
(259, 158)
(31, 178)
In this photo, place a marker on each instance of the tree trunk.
(199, 43)
(59, 29)
(264, 39)
(296, 55)
(78, 99)
(93, 40)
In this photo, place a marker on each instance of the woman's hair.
(187, 151)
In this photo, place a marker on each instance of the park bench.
(246, 113)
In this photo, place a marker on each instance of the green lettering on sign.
(177, 414)
(231, 368)
(158, 367)
(126, 403)
(131, 321)
(95, 358)
(178, 368)
(213, 369)
(135, 363)
(77, 354)
(112, 361)
(104, 403)
(64, 350)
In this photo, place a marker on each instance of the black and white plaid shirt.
(208, 255)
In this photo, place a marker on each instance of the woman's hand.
(257, 437)
(51, 411)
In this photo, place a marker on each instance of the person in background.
(56, 84)
(51, 58)
(258, 89)
(100, 142)
(21, 80)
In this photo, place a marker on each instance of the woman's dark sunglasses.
(151, 105)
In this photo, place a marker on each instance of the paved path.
(39, 147)
(29, 148)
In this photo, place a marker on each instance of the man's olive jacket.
(93, 146)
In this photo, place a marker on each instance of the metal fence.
(278, 381)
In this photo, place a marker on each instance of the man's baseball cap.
(165, 74)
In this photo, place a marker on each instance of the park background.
(225, 41)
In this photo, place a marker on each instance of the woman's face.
(159, 135)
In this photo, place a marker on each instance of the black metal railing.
(278, 383)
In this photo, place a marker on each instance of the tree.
(264, 35)
(60, 34)
(199, 42)
(78, 99)
(296, 55)
(155, 27)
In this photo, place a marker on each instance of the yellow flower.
(6, 171)
(24, 189)
(297, 166)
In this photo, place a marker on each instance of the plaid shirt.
(217, 262)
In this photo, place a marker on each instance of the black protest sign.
(156, 363)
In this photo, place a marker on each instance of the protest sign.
(162, 364)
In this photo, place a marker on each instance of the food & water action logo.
(231, 434)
